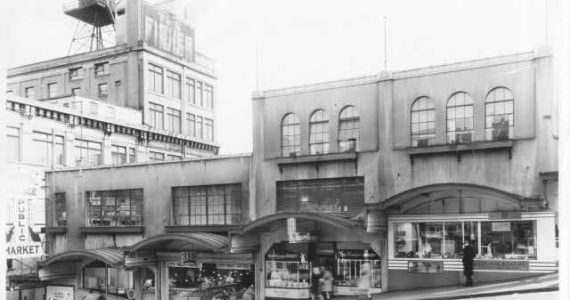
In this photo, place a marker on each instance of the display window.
(286, 269)
(99, 277)
(444, 240)
(353, 266)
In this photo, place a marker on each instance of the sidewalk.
(535, 284)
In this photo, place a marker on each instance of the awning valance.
(111, 256)
(181, 241)
(332, 219)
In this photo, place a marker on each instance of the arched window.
(290, 135)
(459, 118)
(319, 133)
(499, 114)
(423, 122)
(348, 129)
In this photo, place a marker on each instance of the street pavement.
(539, 284)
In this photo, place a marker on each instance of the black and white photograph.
(276, 150)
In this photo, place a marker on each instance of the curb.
(502, 293)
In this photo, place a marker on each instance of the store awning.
(185, 241)
(111, 256)
(335, 220)
(418, 197)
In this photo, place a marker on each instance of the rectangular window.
(199, 126)
(190, 91)
(132, 155)
(191, 120)
(99, 277)
(208, 129)
(76, 91)
(115, 208)
(173, 84)
(156, 156)
(156, 78)
(207, 205)
(29, 92)
(156, 116)
(88, 153)
(52, 90)
(60, 209)
(173, 120)
(322, 195)
(101, 69)
(13, 143)
(48, 149)
(75, 74)
(199, 98)
(118, 154)
(496, 239)
(103, 90)
(208, 96)
(171, 157)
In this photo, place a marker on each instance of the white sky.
(306, 41)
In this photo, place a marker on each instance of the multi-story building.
(70, 132)
(149, 97)
(153, 67)
(390, 173)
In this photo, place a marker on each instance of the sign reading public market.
(22, 240)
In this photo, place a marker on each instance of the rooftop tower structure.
(95, 24)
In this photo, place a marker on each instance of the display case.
(288, 275)
(351, 265)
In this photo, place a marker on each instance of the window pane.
(509, 239)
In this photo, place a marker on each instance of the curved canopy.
(416, 198)
(197, 240)
(111, 256)
(327, 218)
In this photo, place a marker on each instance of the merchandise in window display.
(439, 240)
(349, 264)
(287, 270)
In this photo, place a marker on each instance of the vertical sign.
(54, 292)
(22, 241)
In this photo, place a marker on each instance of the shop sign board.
(287, 293)
(354, 291)
(501, 264)
(139, 258)
(501, 226)
(302, 237)
(22, 241)
(418, 266)
(357, 254)
(283, 256)
(56, 292)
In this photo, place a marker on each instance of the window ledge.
(306, 159)
(202, 228)
(112, 229)
(56, 229)
(461, 148)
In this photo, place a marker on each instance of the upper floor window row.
(199, 93)
(499, 118)
(319, 132)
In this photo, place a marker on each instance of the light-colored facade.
(390, 172)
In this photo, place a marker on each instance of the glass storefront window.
(98, 277)
(494, 239)
(288, 274)
(508, 240)
(350, 264)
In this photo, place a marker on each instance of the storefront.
(426, 249)
(194, 266)
(292, 244)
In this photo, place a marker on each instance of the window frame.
(156, 110)
(202, 198)
(101, 215)
(173, 119)
(347, 145)
(103, 90)
(91, 148)
(319, 127)
(75, 74)
(156, 77)
(493, 103)
(101, 68)
(465, 135)
(430, 136)
(290, 128)
(27, 93)
(173, 84)
(52, 90)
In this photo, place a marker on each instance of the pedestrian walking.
(468, 256)
(327, 283)
(365, 280)
(315, 282)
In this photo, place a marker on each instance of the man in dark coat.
(468, 256)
